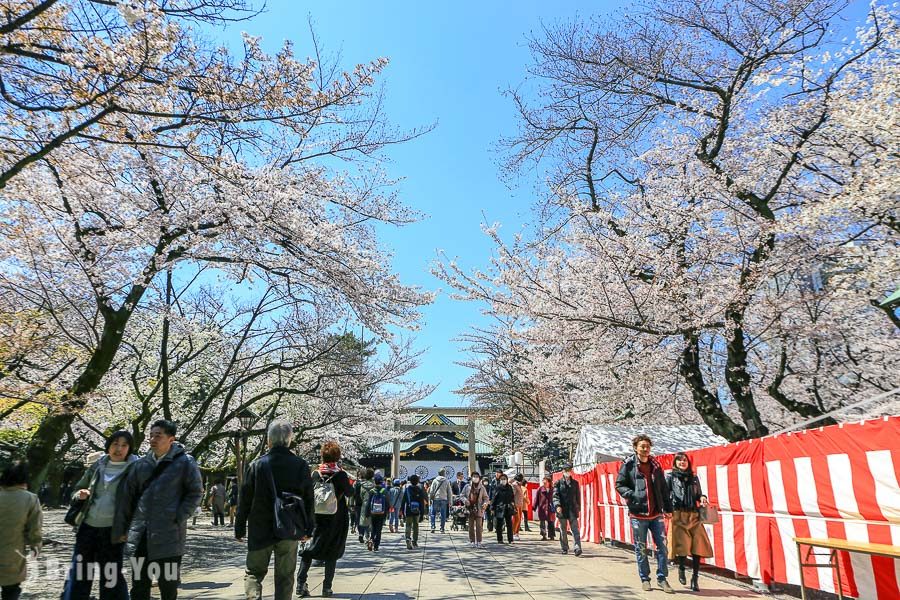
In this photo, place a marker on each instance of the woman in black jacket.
(503, 505)
(329, 537)
(688, 536)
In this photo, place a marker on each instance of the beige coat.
(22, 520)
(687, 536)
(518, 495)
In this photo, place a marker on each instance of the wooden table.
(834, 546)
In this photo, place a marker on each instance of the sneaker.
(480, 546)
(432, 530)
(564, 551)
(327, 592)
(303, 590)
(408, 545)
(442, 531)
(664, 586)
(471, 544)
(516, 537)
(361, 540)
(646, 585)
(577, 551)
(415, 544)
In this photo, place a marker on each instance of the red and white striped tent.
(837, 482)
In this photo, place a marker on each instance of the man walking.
(642, 484)
(459, 485)
(439, 494)
(492, 491)
(279, 470)
(217, 502)
(159, 495)
(567, 500)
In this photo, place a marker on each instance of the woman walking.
(329, 538)
(545, 509)
(503, 506)
(476, 499)
(21, 531)
(687, 536)
(93, 540)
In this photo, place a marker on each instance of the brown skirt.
(687, 536)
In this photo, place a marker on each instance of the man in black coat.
(290, 473)
(642, 484)
(567, 500)
(153, 505)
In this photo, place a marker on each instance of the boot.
(694, 586)
(682, 578)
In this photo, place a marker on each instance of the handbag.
(290, 512)
(709, 514)
(75, 508)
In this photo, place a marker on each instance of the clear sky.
(449, 64)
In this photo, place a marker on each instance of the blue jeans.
(394, 519)
(439, 506)
(657, 528)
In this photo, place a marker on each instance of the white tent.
(605, 443)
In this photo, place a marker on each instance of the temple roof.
(411, 440)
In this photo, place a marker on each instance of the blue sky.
(449, 64)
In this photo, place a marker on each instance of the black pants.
(507, 520)
(303, 573)
(168, 571)
(548, 528)
(11, 592)
(218, 517)
(94, 547)
(489, 517)
(377, 526)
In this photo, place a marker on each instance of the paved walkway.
(444, 567)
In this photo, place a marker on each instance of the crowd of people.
(139, 507)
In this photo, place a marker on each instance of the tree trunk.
(41, 450)
(707, 404)
(737, 378)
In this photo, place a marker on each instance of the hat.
(396, 482)
(567, 467)
(378, 478)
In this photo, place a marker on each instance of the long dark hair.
(679, 456)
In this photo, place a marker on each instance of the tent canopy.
(604, 443)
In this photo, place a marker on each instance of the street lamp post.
(247, 419)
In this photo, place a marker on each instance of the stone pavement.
(444, 567)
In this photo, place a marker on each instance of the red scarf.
(329, 468)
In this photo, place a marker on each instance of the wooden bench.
(834, 546)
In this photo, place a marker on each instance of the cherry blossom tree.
(699, 241)
(132, 150)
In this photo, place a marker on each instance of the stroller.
(460, 514)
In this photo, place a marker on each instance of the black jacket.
(414, 493)
(329, 538)
(632, 486)
(567, 496)
(503, 501)
(256, 503)
(684, 490)
(161, 511)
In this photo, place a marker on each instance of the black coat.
(256, 503)
(414, 493)
(567, 497)
(504, 501)
(684, 490)
(330, 534)
(160, 512)
(632, 486)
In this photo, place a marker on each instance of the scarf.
(329, 468)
